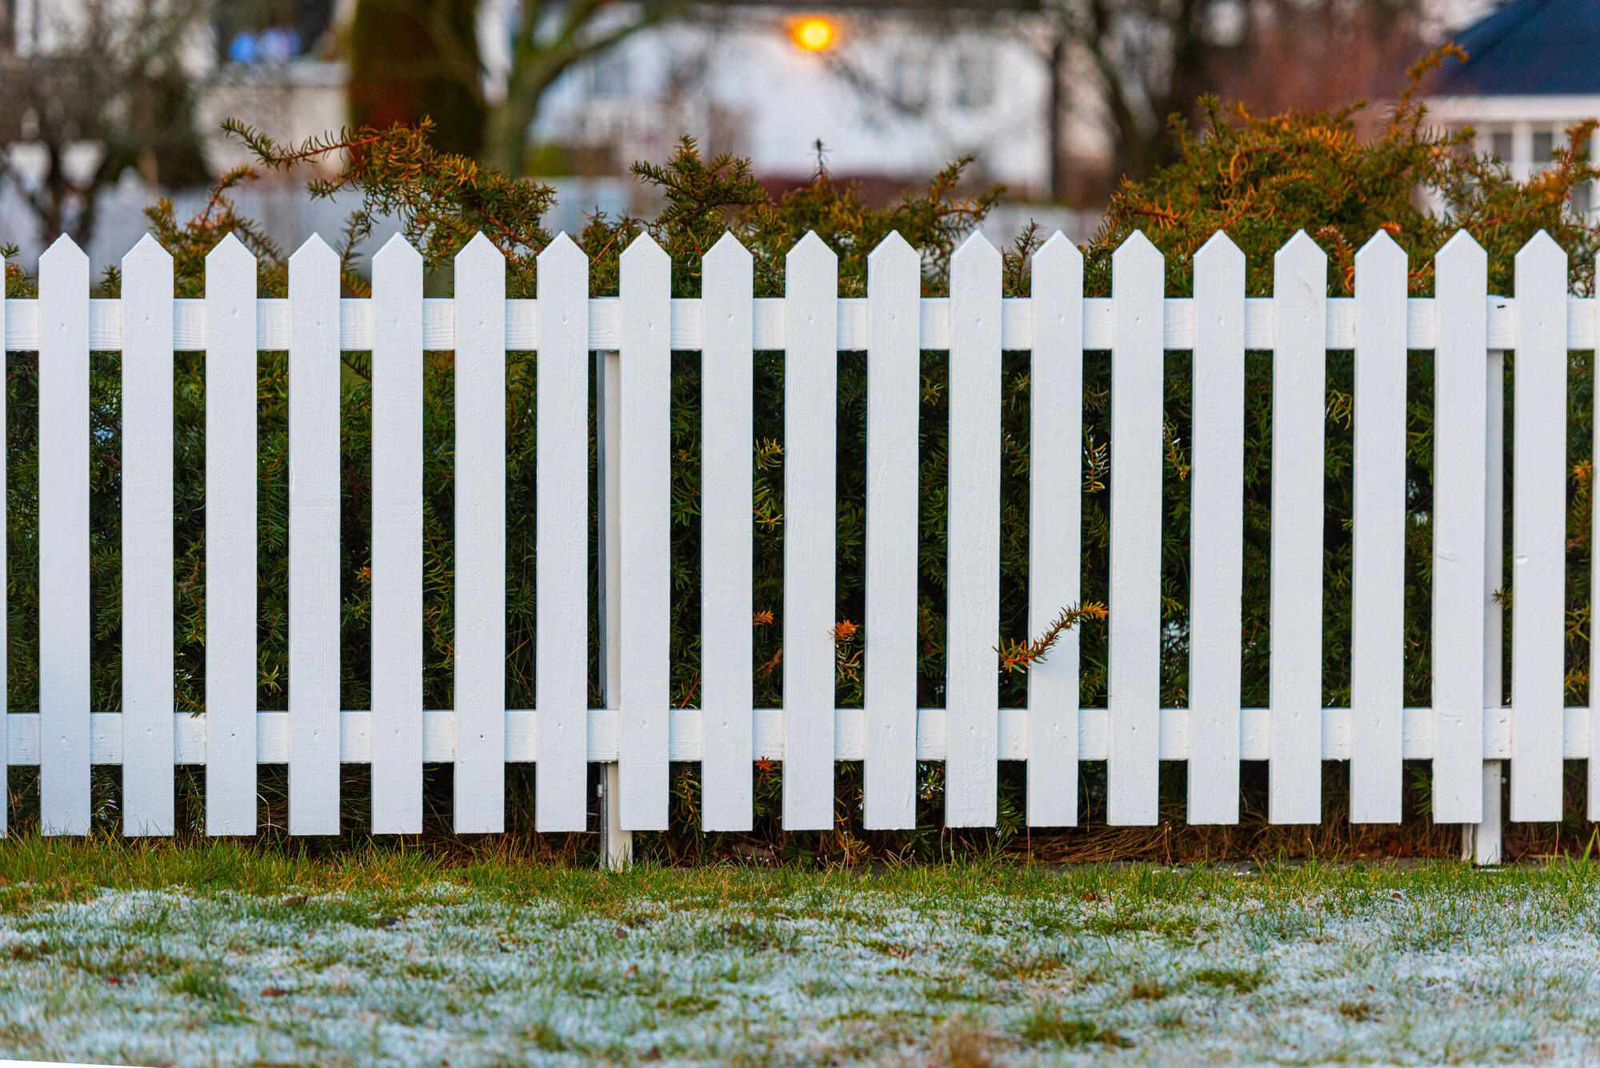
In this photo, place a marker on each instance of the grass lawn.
(214, 953)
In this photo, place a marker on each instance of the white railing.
(1465, 734)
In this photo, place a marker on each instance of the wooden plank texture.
(1460, 458)
(64, 620)
(894, 386)
(314, 604)
(1134, 682)
(810, 421)
(561, 652)
(1299, 399)
(972, 624)
(1377, 636)
(231, 620)
(1055, 528)
(727, 470)
(646, 534)
(397, 366)
(1539, 531)
(148, 695)
(480, 539)
(1216, 533)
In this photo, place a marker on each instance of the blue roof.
(1528, 48)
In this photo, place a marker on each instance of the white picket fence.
(1465, 734)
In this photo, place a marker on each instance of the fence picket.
(1460, 423)
(231, 362)
(1538, 511)
(1299, 400)
(314, 490)
(1216, 533)
(972, 692)
(147, 541)
(480, 534)
(810, 421)
(727, 436)
(1377, 636)
(397, 399)
(64, 620)
(1055, 528)
(894, 393)
(646, 533)
(561, 652)
(1134, 679)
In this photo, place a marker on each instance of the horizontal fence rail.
(687, 328)
(1466, 725)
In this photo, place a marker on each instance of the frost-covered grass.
(217, 954)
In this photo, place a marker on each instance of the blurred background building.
(110, 103)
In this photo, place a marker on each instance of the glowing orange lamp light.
(814, 33)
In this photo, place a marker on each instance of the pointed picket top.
(313, 252)
(810, 250)
(562, 253)
(147, 252)
(1379, 257)
(1219, 250)
(728, 252)
(977, 250)
(1462, 257)
(1541, 253)
(480, 250)
(230, 250)
(643, 250)
(1058, 249)
(396, 250)
(1136, 266)
(893, 249)
(1301, 253)
(1381, 243)
(63, 251)
(1136, 248)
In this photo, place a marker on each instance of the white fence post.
(616, 843)
(1481, 841)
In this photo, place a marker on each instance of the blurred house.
(889, 94)
(1532, 71)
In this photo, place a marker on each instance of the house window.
(273, 31)
(609, 76)
(1544, 148)
(1500, 146)
(974, 80)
